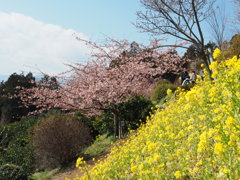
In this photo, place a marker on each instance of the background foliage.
(11, 109)
(160, 90)
(133, 113)
(16, 147)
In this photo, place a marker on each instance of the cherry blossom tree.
(99, 85)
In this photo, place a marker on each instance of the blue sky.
(37, 34)
(94, 18)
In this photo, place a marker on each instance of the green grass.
(45, 175)
(99, 145)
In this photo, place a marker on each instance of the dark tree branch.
(177, 18)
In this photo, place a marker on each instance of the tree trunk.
(207, 63)
(116, 123)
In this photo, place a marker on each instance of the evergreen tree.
(11, 108)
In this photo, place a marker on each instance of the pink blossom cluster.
(112, 75)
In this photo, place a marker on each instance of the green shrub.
(12, 172)
(58, 140)
(15, 144)
(132, 112)
(103, 123)
(89, 122)
(160, 91)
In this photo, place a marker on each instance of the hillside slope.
(197, 136)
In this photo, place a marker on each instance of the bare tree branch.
(238, 8)
(177, 18)
(218, 22)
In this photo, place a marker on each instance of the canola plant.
(197, 136)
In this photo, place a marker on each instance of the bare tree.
(237, 2)
(178, 18)
(217, 23)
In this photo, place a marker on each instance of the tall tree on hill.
(233, 48)
(97, 86)
(49, 82)
(11, 109)
(180, 19)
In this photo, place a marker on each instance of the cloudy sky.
(40, 34)
(28, 43)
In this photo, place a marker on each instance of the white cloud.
(26, 42)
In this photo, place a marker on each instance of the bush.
(12, 172)
(15, 145)
(89, 121)
(103, 123)
(133, 112)
(59, 139)
(160, 91)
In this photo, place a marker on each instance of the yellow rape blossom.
(224, 170)
(218, 148)
(169, 92)
(229, 122)
(80, 162)
(216, 53)
(178, 174)
(134, 168)
(197, 134)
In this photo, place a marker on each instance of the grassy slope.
(197, 136)
(99, 145)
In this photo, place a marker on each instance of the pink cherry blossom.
(112, 75)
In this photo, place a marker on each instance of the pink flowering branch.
(113, 75)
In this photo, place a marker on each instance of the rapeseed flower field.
(195, 137)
